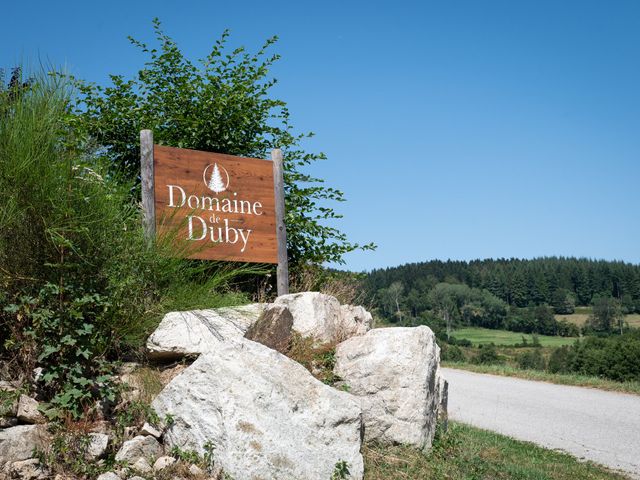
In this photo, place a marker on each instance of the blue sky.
(459, 129)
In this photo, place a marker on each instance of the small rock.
(109, 476)
(28, 410)
(98, 443)
(136, 477)
(148, 429)
(273, 328)
(196, 471)
(139, 447)
(142, 466)
(163, 462)
(29, 469)
(7, 386)
(37, 374)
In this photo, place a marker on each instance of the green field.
(479, 336)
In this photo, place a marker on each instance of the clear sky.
(460, 129)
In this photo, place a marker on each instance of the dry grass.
(319, 359)
(582, 314)
(345, 286)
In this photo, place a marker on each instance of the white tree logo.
(215, 181)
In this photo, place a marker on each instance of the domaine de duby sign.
(215, 206)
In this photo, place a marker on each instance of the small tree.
(607, 315)
(216, 184)
(223, 106)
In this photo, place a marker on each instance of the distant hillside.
(520, 283)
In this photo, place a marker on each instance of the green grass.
(539, 375)
(465, 452)
(479, 336)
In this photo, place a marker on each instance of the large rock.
(18, 443)
(393, 371)
(273, 328)
(322, 317)
(199, 331)
(267, 417)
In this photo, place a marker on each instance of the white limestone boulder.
(394, 373)
(322, 317)
(265, 415)
(194, 332)
(18, 443)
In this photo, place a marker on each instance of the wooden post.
(146, 174)
(281, 230)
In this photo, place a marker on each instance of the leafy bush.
(80, 288)
(221, 106)
(531, 360)
(560, 360)
(452, 353)
(487, 355)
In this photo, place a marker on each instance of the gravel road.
(592, 424)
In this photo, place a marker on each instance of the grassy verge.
(466, 452)
(562, 379)
(478, 336)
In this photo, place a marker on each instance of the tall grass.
(75, 270)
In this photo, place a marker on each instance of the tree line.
(519, 295)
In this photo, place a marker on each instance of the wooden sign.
(215, 206)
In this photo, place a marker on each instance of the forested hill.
(519, 282)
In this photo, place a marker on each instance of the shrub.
(560, 360)
(80, 287)
(487, 355)
(531, 360)
(452, 353)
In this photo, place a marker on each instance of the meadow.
(580, 316)
(480, 336)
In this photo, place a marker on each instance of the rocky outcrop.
(322, 317)
(394, 373)
(199, 331)
(267, 417)
(273, 328)
(18, 443)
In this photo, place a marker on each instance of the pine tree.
(216, 184)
